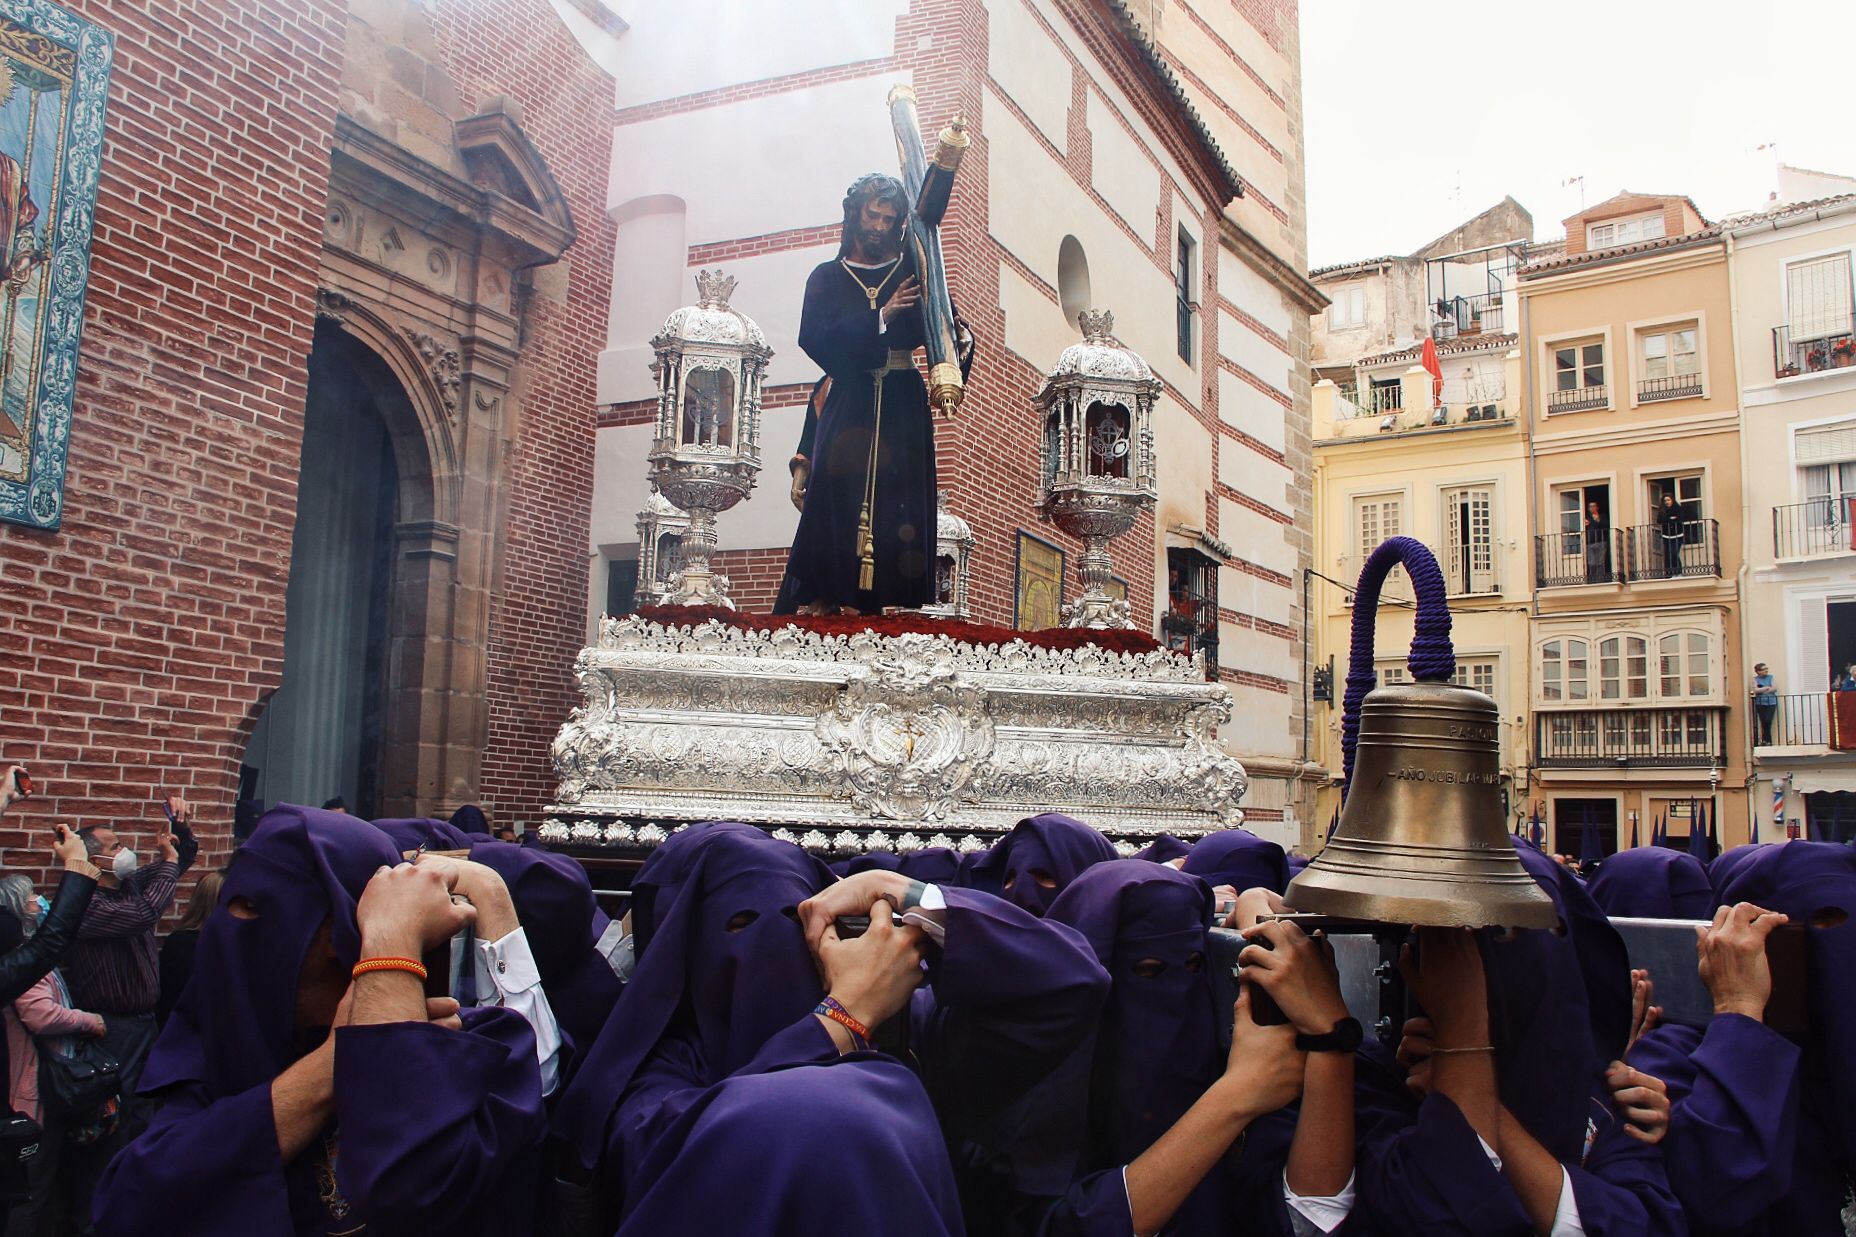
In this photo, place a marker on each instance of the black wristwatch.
(1345, 1037)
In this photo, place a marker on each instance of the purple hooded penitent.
(1164, 849)
(421, 833)
(722, 970)
(1559, 1010)
(1051, 847)
(1814, 885)
(554, 902)
(1240, 859)
(1651, 883)
(433, 1128)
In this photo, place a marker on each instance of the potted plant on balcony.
(1816, 359)
(1843, 352)
(1788, 370)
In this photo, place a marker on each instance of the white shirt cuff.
(1490, 1152)
(1566, 1220)
(507, 977)
(932, 900)
(615, 946)
(1316, 1215)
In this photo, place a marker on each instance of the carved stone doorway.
(323, 733)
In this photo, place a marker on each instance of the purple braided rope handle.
(1433, 657)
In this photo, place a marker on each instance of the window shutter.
(1818, 297)
(1827, 444)
(1812, 640)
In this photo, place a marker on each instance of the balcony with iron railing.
(1643, 738)
(1578, 399)
(1675, 386)
(1824, 345)
(1353, 400)
(1797, 720)
(1814, 528)
(1627, 555)
(1695, 552)
(1562, 560)
(1460, 316)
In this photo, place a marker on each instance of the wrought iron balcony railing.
(1798, 720)
(1676, 386)
(1564, 559)
(1578, 399)
(1696, 552)
(1647, 738)
(1811, 349)
(1815, 527)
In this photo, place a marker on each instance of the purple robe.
(1241, 859)
(1648, 882)
(1733, 1122)
(1813, 883)
(838, 329)
(1559, 1010)
(434, 1129)
(1054, 845)
(421, 833)
(707, 1007)
(1164, 849)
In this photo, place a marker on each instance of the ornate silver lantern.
(660, 550)
(706, 452)
(1098, 406)
(953, 554)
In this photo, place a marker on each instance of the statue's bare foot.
(818, 609)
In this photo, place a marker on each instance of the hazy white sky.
(1419, 113)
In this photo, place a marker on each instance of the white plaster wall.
(1252, 293)
(620, 488)
(1248, 472)
(1254, 353)
(760, 165)
(1034, 203)
(770, 289)
(1121, 171)
(1183, 465)
(1260, 726)
(1249, 595)
(1243, 406)
(1030, 68)
(679, 47)
(1255, 538)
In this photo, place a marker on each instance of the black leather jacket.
(34, 959)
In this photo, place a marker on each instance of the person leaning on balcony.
(1845, 682)
(1669, 527)
(1765, 701)
(1597, 546)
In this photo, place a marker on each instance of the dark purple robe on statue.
(838, 329)
(1056, 845)
(1559, 1009)
(1241, 859)
(434, 1129)
(1649, 882)
(1813, 883)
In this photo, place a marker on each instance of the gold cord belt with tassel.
(899, 359)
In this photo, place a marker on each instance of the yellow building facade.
(1454, 477)
(1635, 678)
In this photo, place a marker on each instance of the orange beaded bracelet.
(412, 966)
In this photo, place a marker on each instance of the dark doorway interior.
(1573, 817)
(1840, 617)
(319, 735)
(1830, 816)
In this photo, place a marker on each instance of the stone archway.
(428, 269)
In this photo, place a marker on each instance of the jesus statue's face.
(878, 228)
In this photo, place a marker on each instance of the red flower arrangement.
(1136, 642)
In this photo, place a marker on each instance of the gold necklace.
(870, 292)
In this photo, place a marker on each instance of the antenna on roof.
(1579, 181)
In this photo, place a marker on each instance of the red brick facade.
(519, 48)
(139, 638)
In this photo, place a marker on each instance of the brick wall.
(519, 48)
(753, 576)
(139, 638)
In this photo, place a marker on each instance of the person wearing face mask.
(114, 968)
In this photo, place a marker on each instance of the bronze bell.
(1422, 839)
